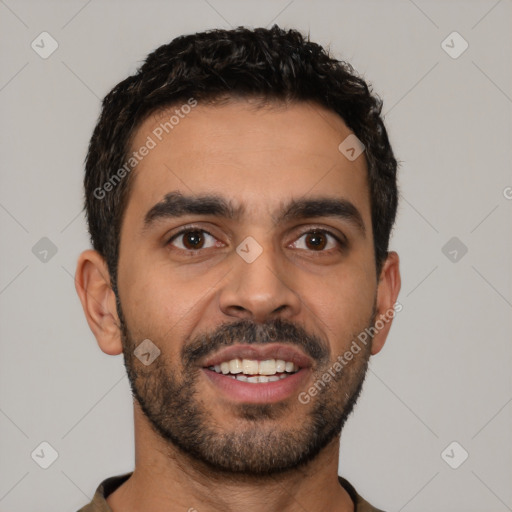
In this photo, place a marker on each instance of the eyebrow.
(175, 205)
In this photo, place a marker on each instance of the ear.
(387, 294)
(92, 283)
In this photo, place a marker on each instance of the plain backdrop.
(444, 375)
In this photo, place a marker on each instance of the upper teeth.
(254, 367)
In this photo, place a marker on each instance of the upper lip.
(259, 353)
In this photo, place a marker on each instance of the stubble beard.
(257, 445)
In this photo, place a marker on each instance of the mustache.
(248, 332)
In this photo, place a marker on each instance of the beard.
(256, 444)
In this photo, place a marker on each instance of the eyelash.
(190, 229)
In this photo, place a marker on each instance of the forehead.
(253, 156)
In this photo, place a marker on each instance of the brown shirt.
(108, 486)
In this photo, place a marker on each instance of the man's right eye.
(193, 239)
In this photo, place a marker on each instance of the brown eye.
(193, 240)
(317, 241)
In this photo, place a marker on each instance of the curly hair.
(271, 64)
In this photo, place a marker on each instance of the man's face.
(285, 273)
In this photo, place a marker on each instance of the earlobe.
(92, 283)
(387, 294)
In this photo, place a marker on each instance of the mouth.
(254, 371)
(258, 374)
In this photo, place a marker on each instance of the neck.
(167, 479)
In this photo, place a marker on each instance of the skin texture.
(259, 158)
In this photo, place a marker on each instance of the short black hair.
(270, 64)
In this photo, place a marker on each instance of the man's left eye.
(317, 240)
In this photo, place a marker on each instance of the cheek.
(341, 305)
(152, 302)
(160, 303)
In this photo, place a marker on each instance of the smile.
(254, 371)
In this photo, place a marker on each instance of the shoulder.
(107, 487)
(361, 505)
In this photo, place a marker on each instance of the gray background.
(444, 374)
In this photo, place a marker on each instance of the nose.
(260, 290)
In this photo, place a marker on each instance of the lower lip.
(260, 392)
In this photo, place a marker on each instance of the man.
(240, 193)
